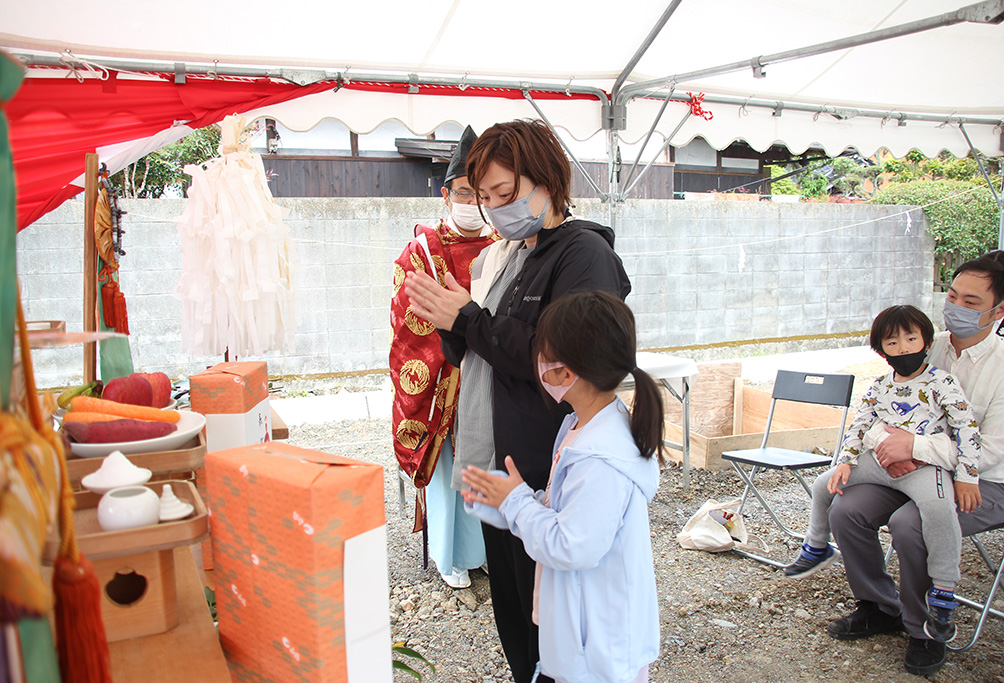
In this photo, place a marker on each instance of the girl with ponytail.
(594, 594)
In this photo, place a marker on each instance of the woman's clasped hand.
(437, 304)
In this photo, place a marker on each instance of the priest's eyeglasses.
(463, 194)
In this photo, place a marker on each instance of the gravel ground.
(724, 617)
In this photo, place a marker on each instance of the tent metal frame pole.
(989, 12)
(613, 114)
(998, 197)
(343, 78)
(839, 113)
(667, 143)
(643, 48)
(305, 77)
(613, 180)
(603, 195)
(983, 168)
(644, 144)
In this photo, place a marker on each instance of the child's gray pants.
(930, 487)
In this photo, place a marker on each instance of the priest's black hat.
(458, 163)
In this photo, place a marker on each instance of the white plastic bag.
(718, 527)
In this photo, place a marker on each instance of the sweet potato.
(117, 431)
(99, 405)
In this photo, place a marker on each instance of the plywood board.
(787, 415)
(706, 452)
(711, 399)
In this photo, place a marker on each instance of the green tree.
(962, 215)
(813, 184)
(851, 177)
(784, 185)
(946, 166)
(163, 170)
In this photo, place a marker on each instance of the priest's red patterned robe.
(426, 387)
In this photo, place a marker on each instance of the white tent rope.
(734, 245)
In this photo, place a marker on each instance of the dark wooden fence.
(323, 176)
(658, 183)
(944, 266)
(317, 176)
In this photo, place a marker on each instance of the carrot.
(80, 416)
(89, 404)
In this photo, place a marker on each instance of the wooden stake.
(90, 266)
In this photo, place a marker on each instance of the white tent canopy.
(906, 92)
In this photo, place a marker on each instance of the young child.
(595, 596)
(920, 399)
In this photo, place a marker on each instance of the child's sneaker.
(810, 561)
(940, 624)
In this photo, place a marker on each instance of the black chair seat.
(797, 387)
(777, 458)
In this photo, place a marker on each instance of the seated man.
(972, 352)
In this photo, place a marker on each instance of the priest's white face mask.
(463, 205)
(467, 216)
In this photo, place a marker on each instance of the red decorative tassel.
(81, 641)
(108, 291)
(121, 317)
(80, 632)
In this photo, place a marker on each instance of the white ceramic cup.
(128, 507)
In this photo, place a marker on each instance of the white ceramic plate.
(60, 412)
(188, 426)
(92, 483)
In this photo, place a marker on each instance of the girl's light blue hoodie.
(599, 613)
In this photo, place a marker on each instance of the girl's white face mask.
(556, 392)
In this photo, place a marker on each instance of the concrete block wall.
(711, 272)
(702, 273)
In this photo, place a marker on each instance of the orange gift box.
(234, 399)
(300, 548)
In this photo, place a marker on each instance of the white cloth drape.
(237, 258)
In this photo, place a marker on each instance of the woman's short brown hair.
(527, 148)
(897, 318)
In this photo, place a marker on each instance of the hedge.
(962, 216)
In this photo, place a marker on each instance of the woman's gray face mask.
(515, 221)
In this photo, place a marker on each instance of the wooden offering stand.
(135, 567)
(177, 464)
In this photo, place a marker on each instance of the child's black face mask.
(908, 363)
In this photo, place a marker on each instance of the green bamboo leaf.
(408, 652)
(407, 669)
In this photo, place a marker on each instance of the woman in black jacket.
(523, 178)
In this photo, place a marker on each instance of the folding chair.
(797, 387)
(985, 608)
